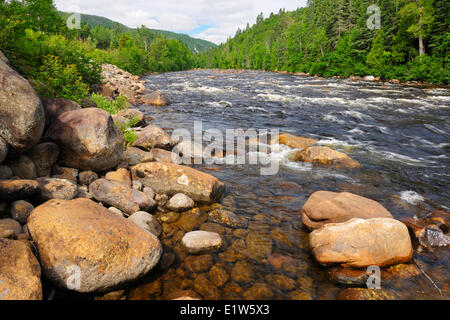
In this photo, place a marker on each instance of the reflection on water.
(400, 134)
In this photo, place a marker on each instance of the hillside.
(195, 45)
(332, 38)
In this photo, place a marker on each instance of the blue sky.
(212, 20)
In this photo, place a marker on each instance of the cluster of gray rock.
(117, 81)
(74, 205)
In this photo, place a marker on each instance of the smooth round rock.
(147, 222)
(197, 242)
(20, 210)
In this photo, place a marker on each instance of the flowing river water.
(400, 135)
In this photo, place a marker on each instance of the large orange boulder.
(88, 139)
(361, 243)
(20, 274)
(85, 247)
(294, 141)
(326, 156)
(168, 178)
(324, 207)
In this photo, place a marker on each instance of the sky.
(212, 20)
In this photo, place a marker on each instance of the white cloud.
(223, 17)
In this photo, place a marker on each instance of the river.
(400, 134)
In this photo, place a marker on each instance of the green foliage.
(129, 134)
(95, 22)
(112, 106)
(331, 37)
(55, 79)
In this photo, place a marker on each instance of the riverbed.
(400, 135)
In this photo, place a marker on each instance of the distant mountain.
(195, 45)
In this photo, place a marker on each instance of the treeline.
(332, 38)
(67, 63)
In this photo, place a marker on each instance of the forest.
(63, 62)
(335, 38)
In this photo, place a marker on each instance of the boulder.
(4, 148)
(20, 273)
(44, 156)
(294, 141)
(54, 107)
(5, 172)
(122, 175)
(81, 237)
(326, 156)
(180, 202)
(324, 207)
(134, 156)
(189, 150)
(18, 189)
(170, 179)
(362, 242)
(87, 177)
(54, 188)
(109, 90)
(88, 139)
(20, 210)
(147, 222)
(133, 114)
(23, 167)
(121, 196)
(70, 174)
(197, 242)
(152, 136)
(430, 231)
(10, 225)
(161, 155)
(22, 117)
(155, 98)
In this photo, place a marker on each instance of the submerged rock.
(324, 207)
(20, 273)
(361, 243)
(197, 242)
(88, 139)
(228, 218)
(168, 178)
(430, 231)
(82, 237)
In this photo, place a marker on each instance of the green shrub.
(54, 79)
(112, 106)
(129, 134)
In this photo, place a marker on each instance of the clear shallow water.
(401, 136)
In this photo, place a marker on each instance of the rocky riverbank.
(82, 213)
